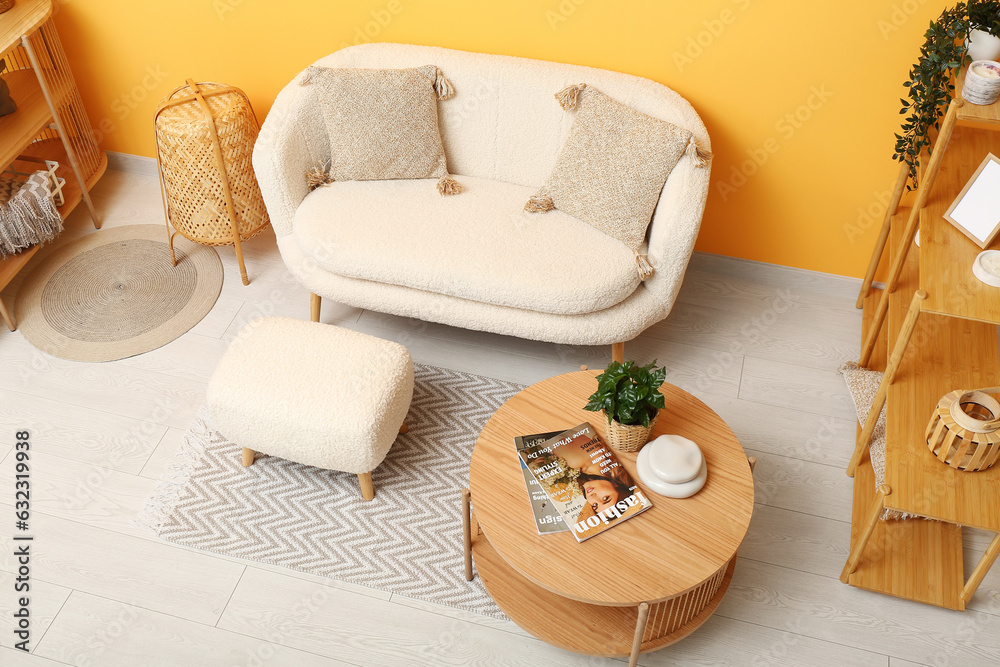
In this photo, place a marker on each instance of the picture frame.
(976, 210)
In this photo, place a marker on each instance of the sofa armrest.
(674, 227)
(292, 140)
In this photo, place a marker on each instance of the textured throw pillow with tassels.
(613, 166)
(383, 124)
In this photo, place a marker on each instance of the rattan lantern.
(964, 430)
(204, 140)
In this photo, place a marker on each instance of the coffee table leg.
(640, 630)
(467, 532)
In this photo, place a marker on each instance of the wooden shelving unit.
(936, 332)
(50, 121)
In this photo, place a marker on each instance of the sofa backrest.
(503, 122)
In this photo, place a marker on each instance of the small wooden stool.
(313, 393)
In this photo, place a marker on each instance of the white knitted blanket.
(27, 213)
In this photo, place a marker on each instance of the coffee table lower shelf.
(581, 627)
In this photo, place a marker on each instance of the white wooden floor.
(760, 344)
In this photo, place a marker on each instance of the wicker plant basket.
(204, 140)
(964, 430)
(629, 438)
(5, 5)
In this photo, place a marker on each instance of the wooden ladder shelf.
(931, 331)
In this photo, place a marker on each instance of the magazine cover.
(547, 517)
(585, 481)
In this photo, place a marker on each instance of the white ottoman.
(313, 393)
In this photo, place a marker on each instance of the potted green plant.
(944, 51)
(630, 398)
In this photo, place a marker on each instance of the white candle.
(987, 72)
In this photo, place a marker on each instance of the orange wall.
(800, 98)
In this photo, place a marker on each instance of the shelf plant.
(930, 86)
(630, 398)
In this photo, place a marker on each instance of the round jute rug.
(113, 294)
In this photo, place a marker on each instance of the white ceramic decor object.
(982, 82)
(983, 45)
(672, 466)
(987, 267)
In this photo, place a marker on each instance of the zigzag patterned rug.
(408, 540)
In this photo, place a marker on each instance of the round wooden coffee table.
(638, 587)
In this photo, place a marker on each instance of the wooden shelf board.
(945, 353)
(946, 254)
(913, 559)
(25, 17)
(598, 630)
(975, 113)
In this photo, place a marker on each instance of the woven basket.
(629, 438)
(964, 430)
(204, 141)
(5, 5)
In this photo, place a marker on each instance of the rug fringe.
(161, 504)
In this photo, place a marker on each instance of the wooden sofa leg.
(404, 428)
(618, 352)
(247, 457)
(367, 486)
(315, 301)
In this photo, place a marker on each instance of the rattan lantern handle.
(970, 423)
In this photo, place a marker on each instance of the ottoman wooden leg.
(367, 486)
(247, 457)
(404, 428)
(315, 301)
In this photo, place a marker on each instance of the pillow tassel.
(698, 155)
(567, 97)
(539, 203)
(643, 265)
(449, 186)
(307, 75)
(316, 177)
(443, 87)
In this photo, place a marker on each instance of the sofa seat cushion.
(481, 246)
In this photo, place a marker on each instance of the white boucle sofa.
(477, 260)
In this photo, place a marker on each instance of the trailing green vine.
(930, 86)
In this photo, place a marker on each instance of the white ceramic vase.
(983, 45)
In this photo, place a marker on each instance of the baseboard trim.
(136, 164)
(741, 260)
